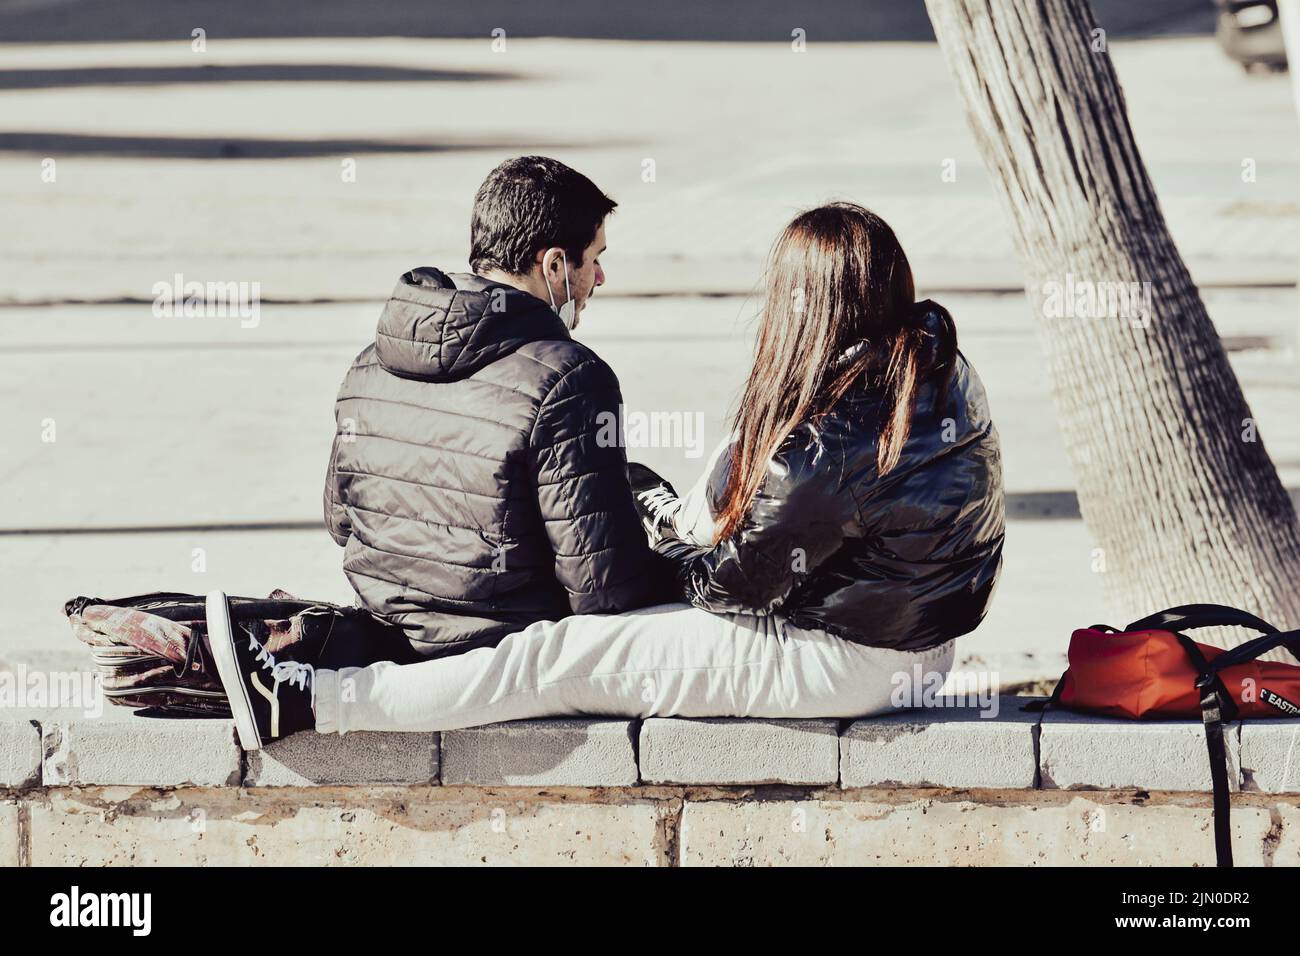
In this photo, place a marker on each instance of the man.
(467, 483)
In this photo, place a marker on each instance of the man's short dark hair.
(530, 204)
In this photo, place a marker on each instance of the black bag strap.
(1216, 707)
(1252, 649)
(1035, 706)
(243, 608)
(180, 606)
(1212, 718)
(1188, 616)
(79, 604)
(1208, 675)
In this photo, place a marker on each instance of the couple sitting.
(848, 530)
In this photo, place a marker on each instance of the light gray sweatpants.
(670, 660)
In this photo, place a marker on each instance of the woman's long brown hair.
(836, 277)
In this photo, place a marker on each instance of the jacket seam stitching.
(408, 586)
(423, 484)
(585, 474)
(418, 557)
(431, 524)
(428, 381)
(426, 408)
(532, 434)
(418, 444)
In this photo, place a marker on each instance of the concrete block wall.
(943, 785)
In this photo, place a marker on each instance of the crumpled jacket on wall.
(466, 482)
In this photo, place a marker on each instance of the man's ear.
(551, 260)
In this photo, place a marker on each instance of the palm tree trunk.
(1173, 480)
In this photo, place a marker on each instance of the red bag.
(1144, 672)
(1152, 670)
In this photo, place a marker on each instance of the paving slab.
(139, 751)
(1270, 755)
(738, 751)
(20, 753)
(1080, 751)
(312, 759)
(942, 746)
(568, 752)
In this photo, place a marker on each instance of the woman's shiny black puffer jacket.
(907, 561)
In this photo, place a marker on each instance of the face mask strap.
(567, 292)
(551, 296)
(570, 320)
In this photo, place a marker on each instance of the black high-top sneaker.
(268, 700)
(656, 500)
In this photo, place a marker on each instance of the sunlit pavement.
(196, 424)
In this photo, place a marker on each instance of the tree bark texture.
(1173, 479)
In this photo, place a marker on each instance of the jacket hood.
(441, 327)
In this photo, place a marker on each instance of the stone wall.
(940, 786)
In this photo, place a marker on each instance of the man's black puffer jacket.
(908, 561)
(466, 482)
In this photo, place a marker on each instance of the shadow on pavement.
(251, 73)
(241, 147)
(103, 21)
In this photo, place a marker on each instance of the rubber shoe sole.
(221, 639)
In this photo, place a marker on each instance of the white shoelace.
(284, 671)
(263, 654)
(660, 502)
(293, 672)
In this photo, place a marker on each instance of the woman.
(846, 534)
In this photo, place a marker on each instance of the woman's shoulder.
(840, 446)
(811, 456)
(949, 406)
(964, 392)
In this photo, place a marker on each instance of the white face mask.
(568, 312)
